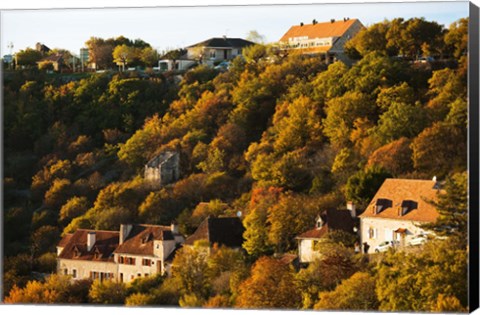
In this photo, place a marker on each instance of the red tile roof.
(140, 239)
(319, 30)
(75, 245)
(413, 194)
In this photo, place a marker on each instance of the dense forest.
(278, 137)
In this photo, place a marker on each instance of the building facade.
(398, 210)
(310, 242)
(133, 252)
(326, 39)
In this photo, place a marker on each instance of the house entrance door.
(159, 267)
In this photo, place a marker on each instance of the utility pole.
(10, 46)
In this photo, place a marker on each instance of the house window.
(74, 273)
(139, 275)
(65, 271)
(146, 262)
(212, 54)
(121, 277)
(372, 233)
(120, 259)
(146, 275)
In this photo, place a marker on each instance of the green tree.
(354, 293)
(190, 268)
(452, 207)
(108, 292)
(74, 207)
(28, 57)
(362, 186)
(416, 282)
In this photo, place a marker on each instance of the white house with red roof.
(135, 251)
(326, 39)
(310, 242)
(398, 210)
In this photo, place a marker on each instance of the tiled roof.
(319, 30)
(287, 258)
(222, 42)
(226, 231)
(64, 241)
(413, 194)
(54, 58)
(140, 239)
(333, 220)
(75, 245)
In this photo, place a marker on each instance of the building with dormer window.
(326, 39)
(310, 242)
(135, 251)
(398, 210)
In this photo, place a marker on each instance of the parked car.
(223, 66)
(418, 240)
(384, 246)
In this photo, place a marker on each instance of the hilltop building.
(210, 52)
(326, 39)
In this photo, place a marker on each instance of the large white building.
(398, 210)
(326, 39)
(133, 252)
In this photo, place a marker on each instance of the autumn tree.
(123, 55)
(354, 293)
(271, 285)
(417, 282)
(336, 263)
(108, 292)
(100, 52)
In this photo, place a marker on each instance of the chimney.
(124, 231)
(90, 240)
(332, 21)
(352, 209)
(174, 227)
(301, 23)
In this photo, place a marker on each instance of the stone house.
(134, 251)
(163, 168)
(310, 242)
(226, 231)
(398, 210)
(326, 39)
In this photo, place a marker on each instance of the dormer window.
(76, 252)
(319, 223)
(97, 254)
(146, 238)
(407, 206)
